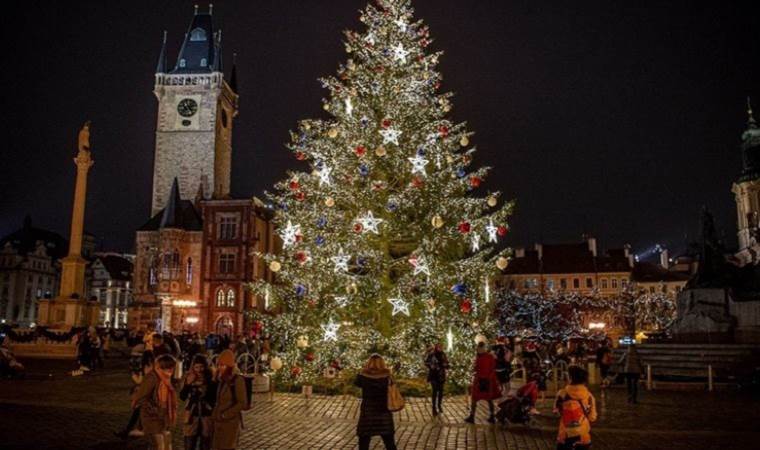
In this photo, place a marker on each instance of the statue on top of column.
(84, 137)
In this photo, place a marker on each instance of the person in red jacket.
(485, 385)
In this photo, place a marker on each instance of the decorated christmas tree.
(388, 236)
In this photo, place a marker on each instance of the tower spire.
(161, 66)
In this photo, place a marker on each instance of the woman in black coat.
(374, 418)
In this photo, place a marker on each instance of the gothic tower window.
(220, 298)
(189, 271)
(230, 298)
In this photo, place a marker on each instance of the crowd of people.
(214, 396)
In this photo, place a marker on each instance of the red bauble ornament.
(299, 238)
(294, 185)
(360, 151)
(502, 231)
(465, 306)
(302, 257)
(295, 371)
(300, 156)
(437, 86)
(309, 357)
(300, 196)
(387, 123)
(464, 227)
(443, 130)
(475, 182)
(417, 182)
(358, 227)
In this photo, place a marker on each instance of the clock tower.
(196, 109)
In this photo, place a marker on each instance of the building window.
(576, 283)
(182, 62)
(228, 227)
(550, 284)
(589, 282)
(614, 283)
(227, 263)
(230, 298)
(624, 283)
(189, 271)
(203, 62)
(221, 299)
(651, 289)
(563, 283)
(604, 283)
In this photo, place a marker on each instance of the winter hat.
(226, 358)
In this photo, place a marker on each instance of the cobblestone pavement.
(79, 413)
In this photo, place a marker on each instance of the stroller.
(515, 410)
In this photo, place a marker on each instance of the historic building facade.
(196, 254)
(111, 284)
(746, 191)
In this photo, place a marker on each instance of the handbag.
(395, 399)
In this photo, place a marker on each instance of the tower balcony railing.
(213, 79)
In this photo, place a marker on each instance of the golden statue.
(84, 137)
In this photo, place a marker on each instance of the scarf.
(167, 397)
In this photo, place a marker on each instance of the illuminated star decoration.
(370, 223)
(491, 229)
(370, 39)
(331, 331)
(475, 242)
(341, 301)
(420, 266)
(341, 262)
(289, 234)
(349, 107)
(390, 135)
(324, 176)
(401, 24)
(399, 306)
(400, 53)
(418, 164)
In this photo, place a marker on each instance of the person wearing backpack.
(231, 400)
(577, 409)
(375, 419)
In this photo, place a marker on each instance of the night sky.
(615, 118)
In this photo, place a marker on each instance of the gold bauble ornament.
(351, 289)
(306, 126)
(449, 159)
(329, 202)
(275, 266)
(492, 201)
(502, 263)
(275, 363)
(447, 108)
(326, 106)
(437, 221)
(431, 304)
(381, 151)
(333, 133)
(465, 141)
(302, 342)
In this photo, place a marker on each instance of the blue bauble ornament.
(461, 172)
(320, 240)
(364, 121)
(361, 261)
(363, 170)
(319, 164)
(300, 290)
(459, 289)
(284, 206)
(392, 205)
(321, 222)
(421, 151)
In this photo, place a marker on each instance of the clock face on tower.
(187, 107)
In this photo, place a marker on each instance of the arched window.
(182, 62)
(220, 298)
(230, 298)
(198, 34)
(189, 271)
(204, 63)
